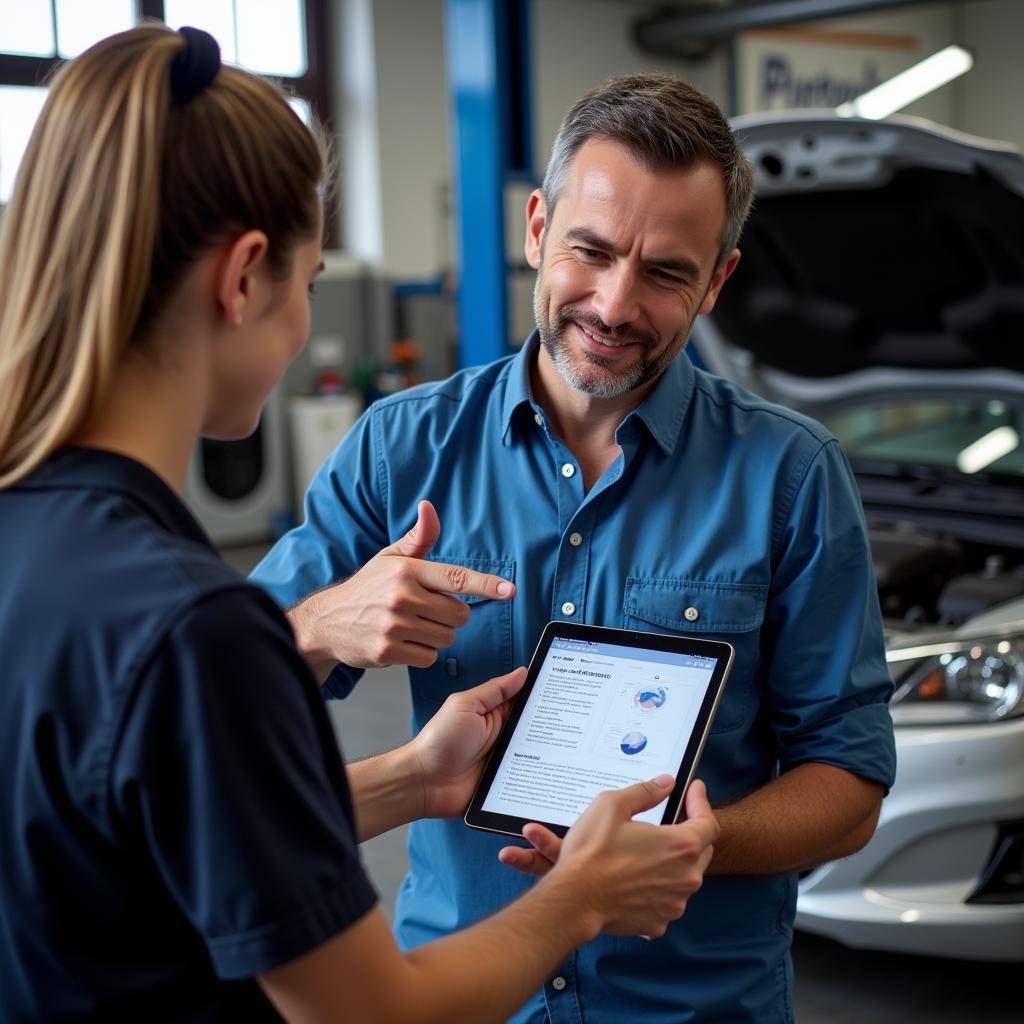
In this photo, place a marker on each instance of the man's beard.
(573, 369)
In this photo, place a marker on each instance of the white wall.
(993, 90)
(415, 163)
(577, 44)
(394, 80)
(357, 122)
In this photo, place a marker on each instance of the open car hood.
(880, 256)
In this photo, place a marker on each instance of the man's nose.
(615, 300)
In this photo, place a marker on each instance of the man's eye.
(667, 278)
(590, 254)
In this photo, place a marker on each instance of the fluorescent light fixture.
(901, 90)
(988, 449)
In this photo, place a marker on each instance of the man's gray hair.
(667, 125)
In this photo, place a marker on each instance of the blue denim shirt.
(719, 502)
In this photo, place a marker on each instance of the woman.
(177, 832)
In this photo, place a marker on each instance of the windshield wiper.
(930, 475)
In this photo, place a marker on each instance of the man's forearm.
(810, 815)
(388, 791)
(304, 618)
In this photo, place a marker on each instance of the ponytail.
(121, 188)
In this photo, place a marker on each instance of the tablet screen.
(600, 715)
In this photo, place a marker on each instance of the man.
(617, 485)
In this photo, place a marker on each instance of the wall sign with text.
(797, 68)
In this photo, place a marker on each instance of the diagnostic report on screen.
(600, 716)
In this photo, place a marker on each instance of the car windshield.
(962, 435)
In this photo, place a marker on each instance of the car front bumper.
(958, 789)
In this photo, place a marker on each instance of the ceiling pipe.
(694, 33)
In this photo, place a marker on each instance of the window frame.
(314, 86)
(28, 70)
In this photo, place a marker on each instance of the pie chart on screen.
(649, 699)
(633, 742)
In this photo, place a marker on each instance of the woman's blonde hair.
(119, 191)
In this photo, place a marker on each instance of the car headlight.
(962, 681)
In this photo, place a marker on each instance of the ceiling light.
(917, 81)
(987, 449)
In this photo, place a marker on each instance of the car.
(881, 291)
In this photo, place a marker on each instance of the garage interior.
(425, 274)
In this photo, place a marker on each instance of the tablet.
(601, 708)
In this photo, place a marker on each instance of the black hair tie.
(196, 66)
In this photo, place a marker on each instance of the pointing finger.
(642, 796)
(457, 579)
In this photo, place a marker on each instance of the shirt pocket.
(482, 648)
(732, 612)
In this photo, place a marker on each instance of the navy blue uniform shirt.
(175, 816)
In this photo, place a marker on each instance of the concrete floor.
(834, 985)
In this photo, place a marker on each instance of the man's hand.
(396, 610)
(452, 747)
(640, 875)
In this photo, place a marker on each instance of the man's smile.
(601, 344)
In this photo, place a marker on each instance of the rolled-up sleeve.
(827, 679)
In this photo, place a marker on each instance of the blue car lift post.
(489, 85)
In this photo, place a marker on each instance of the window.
(19, 108)
(267, 36)
(280, 38)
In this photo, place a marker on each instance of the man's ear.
(235, 274)
(536, 221)
(718, 279)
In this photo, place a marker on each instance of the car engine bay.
(931, 579)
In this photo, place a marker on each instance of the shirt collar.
(102, 470)
(517, 388)
(662, 411)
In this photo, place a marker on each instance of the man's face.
(625, 263)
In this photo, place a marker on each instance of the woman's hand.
(451, 749)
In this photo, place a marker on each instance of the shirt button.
(568, 470)
(558, 983)
(538, 419)
(691, 614)
(568, 608)
(575, 539)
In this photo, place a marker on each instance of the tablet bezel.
(503, 824)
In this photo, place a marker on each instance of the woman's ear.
(235, 275)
